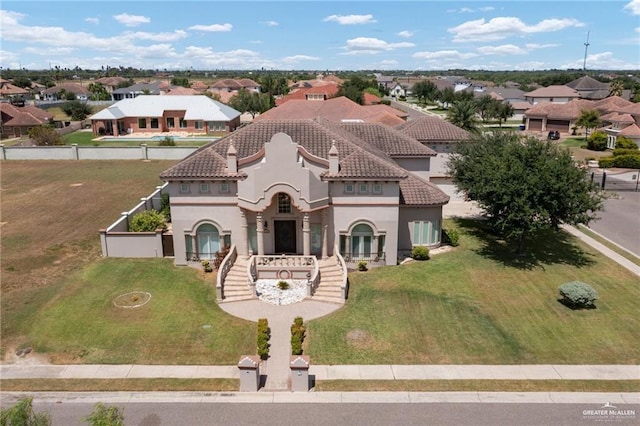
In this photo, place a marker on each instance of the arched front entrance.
(361, 241)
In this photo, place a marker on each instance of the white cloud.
(131, 20)
(505, 49)
(443, 54)
(270, 23)
(511, 49)
(406, 34)
(371, 46)
(212, 28)
(92, 20)
(139, 35)
(299, 58)
(49, 51)
(633, 7)
(350, 19)
(503, 27)
(233, 59)
(470, 10)
(603, 60)
(638, 29)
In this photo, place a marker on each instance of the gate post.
(604, 178)
(249, 366)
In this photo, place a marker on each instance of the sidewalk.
(603, 249)
(330, 372)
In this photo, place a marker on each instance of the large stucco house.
(157, 114)
(306, 187)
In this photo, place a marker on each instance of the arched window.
(361, 241)
(284, 203)
(208, 241)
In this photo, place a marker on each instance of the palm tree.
(463, 115)
(616, 87)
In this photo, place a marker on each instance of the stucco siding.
(406, 218)
(418, 166)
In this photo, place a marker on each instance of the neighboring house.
(231, 85)
(398, 90)
(9, 90)
(196, 114)
(386, 81)
(320, 92)
(199, 86)
(182, 91)
(590, 88)
(621, 124)
(56, 93)
(111, 83)
(557, 94)
(340, 109)
(510, 95)
(305, 187)
(437, 134)
(17, 121)
(369, 99)
(133, 91)
(545, 116)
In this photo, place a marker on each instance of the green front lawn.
(181, 324)
(82, 138)
(478, 304)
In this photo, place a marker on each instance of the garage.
(535, 124)
(559, 125)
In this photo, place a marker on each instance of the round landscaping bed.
(134, 299)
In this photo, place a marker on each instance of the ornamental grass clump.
(578, 295)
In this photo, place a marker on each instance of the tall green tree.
(251, 102)
(503, 112)
(523, 184)
(425, 90)
(588, 119)
(463, 115)
(98, 92)
(486, 107)
(77, 110)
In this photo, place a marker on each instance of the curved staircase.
(236, 286)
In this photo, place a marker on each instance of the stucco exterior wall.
(406, 217)
(418, 166)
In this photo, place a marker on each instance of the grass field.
(574, 143)
(481, 305)
(82, 138)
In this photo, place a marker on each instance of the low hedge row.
(264, 334)
(297, 336)
(629, 161)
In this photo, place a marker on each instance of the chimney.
(333, 159)
(232, 162)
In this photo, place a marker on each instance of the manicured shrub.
(420, 253)
(626, 151)
(283, 285)
(621, 161)
(206, 265)
(597, 141)
(450, 237)
(167, 141)
(605, 162)
(147, 221)
(263, 336)
(297, 336)
(577, 294)
(625, 143)
(362, 265)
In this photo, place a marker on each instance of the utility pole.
(586, 46)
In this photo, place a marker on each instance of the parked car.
(553, 135)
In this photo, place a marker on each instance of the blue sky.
(320, 35)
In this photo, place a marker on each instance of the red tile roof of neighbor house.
(224, 96)
(369, 99)
(556, 91)
(199, 86)
(380, 108)
(74, 88)
(110, 81)
(632, 130)
(359, 160)
(328, 89)
(23, 116)
(633, 109)
(432, 129)
(335, 109)
(182, 91)
(7, 88)
(616, 117)
(612, 103)
(570, 110)
(521, 105)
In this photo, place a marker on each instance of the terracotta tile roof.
(612, 103)
(110, 81)
(23, 116)
(182, 91)
(225, 96)
(380, 108)
(369, 99)
(297, 94)
(388, 119)
(227, 83)
(334, 109)
(633, 109)
(7, 88)
(68, 87)
(616, 117)
(432, 129)
(329, 89)
(521, 105)
(570, 110)
(247, 82)
(199, 86)
(388, 140)
(358, 159)
(557, 91)
(632, 130)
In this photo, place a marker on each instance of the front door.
(285, 236)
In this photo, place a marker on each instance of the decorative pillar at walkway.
(325, 236)
(260, 232)
(306, 235)
(347, 246)
(245, 232)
